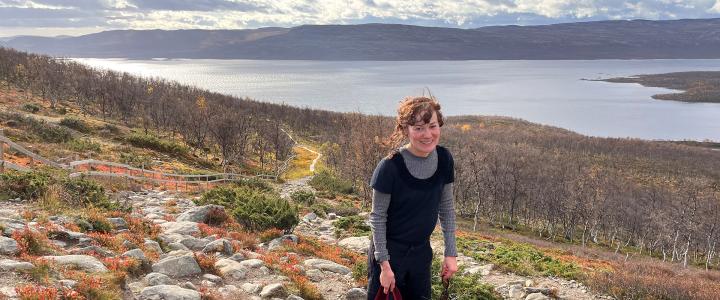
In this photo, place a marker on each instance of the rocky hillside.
(166, 248)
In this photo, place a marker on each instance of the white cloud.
(236, 14)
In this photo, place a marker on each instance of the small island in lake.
(697, 86)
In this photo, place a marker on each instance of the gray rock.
(309, 217)
(231, 268)
(356, 294)
(9, 292)
(484, 270)
(11, 265)
(536, 296)
(137, 254)
(273, 290)
(89, 250)
(8, 246)
(118, 223)
(533, 290)
(222, 246)
(83, 262)
(189, 285)
(185, 228)
(199, 214)
(158, 279)
(213, 278)
(276, 243)
(153, 245)
(67, 283)
(177, 246)
(177, 266)
(194, 243)
(250, 288)
(314, 275)
(326, 265)
(129, 245)
(294, 297)
(516, 292)
(252, 263)
(356, 243)
(238, 257)
(168, 292)
(331, 216)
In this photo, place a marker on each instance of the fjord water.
(546, 92)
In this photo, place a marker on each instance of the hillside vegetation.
(603, 198)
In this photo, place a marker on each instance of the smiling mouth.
(426, 142)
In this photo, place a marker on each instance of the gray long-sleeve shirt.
(421, 168)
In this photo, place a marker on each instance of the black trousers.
(411, 265)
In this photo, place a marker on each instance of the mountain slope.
(637, 39)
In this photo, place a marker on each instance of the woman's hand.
(449, 267)
(387, 277)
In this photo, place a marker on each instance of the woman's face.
(424, 137)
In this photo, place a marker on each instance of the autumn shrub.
(94, 221)
(460, 287)
(216, 217)
(36, 292)
(83, 145)
(352, 225)
(252, 208)
(76, 124)
(88, 193)
(25, 185)
(345, 209)
(48, 132)
(270, 234)
(655, 280)
(124, 265)
(99, 287)
(31, 107)
(32, 242)
(152, 142)
(303, 196)
(254, 183)
(207, 263)
(519, 258)
(41, 270)
(326, 181)
(320, 209)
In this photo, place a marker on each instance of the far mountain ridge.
(634, 39)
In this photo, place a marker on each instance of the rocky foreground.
(174, 265)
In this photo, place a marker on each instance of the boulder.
(231, 268)
(168, 292)
(118, 223)
(11, 265)
(536, 296)
(356, 243)
(221, 246)
(276, 243)
(199, 214)
(158, 279)
(273, 290)
(185, 228)
(356, 294)
(177, 266)
(8, 246)
(326, 265)
(83, 262)
(252, 263)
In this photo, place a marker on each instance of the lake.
(546, 92)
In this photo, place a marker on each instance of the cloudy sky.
(75, 17)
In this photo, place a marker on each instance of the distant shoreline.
(697, 87)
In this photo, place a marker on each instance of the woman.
(412, 187)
